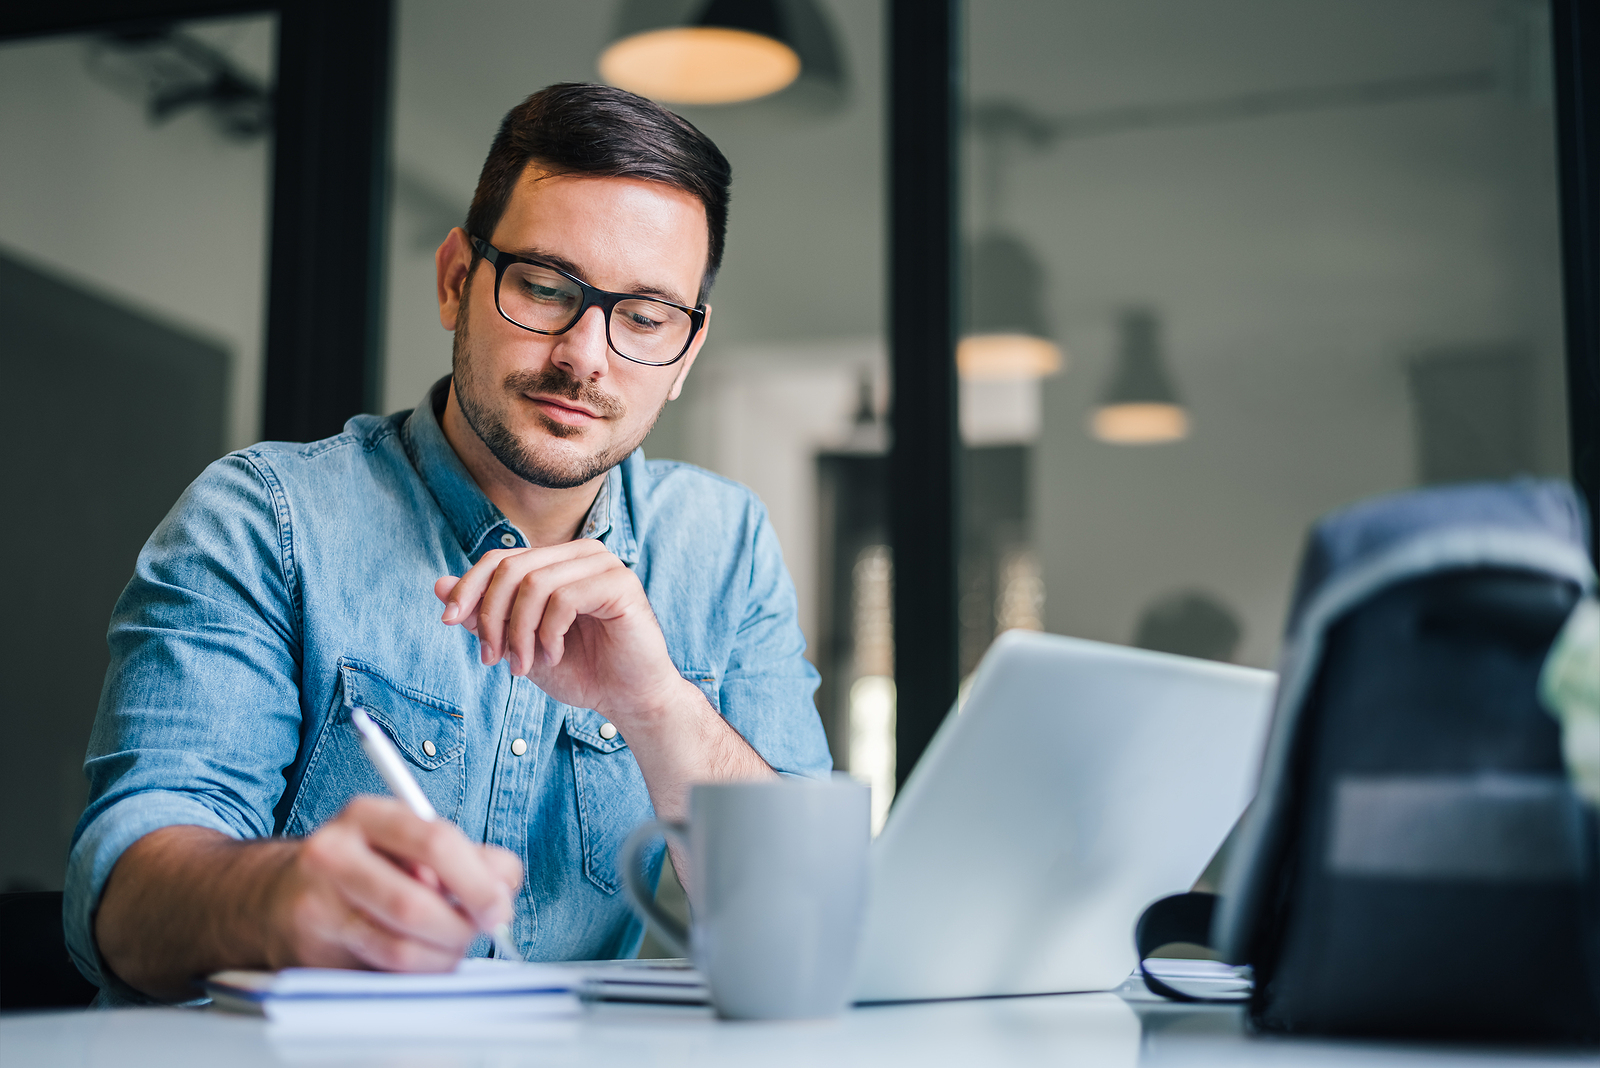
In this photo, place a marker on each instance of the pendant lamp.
(1006, 334)
(1140, 405)
(722, 52)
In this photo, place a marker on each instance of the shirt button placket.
(510, 807)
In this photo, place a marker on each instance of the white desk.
(1065, 1030)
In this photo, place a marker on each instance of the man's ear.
(689, 357)
(451, 263)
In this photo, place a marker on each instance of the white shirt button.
(508, 540)
(429, 748)
(519, 747)
(608, 731)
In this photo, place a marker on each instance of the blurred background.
(1223, 265)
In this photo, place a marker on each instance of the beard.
(488, 419)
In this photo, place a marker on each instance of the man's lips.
(564, 411)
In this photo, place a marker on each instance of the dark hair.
(601, 132)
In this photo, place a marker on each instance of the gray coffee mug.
(778, 887)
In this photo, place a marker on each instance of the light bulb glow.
(1140, 424)
(700, 65)
(1007, 357)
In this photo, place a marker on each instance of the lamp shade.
(1006, 335)
(1140, 406)
(727, 52)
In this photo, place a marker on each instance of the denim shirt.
(291, 581)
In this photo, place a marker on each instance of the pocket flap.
(587, 726)
(415, 721)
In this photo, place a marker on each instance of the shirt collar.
(598, 522)
(471, 515)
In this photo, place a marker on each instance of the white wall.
(170, 220)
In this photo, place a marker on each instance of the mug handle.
(667, 928)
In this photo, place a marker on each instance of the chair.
(35, 971)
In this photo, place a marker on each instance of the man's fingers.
(564, 607)
(471, 598)
(529, 611)
(461, 600)
(373, 886)
(375, 946)
(603, 596)
(502, 614)
(505, 864)
(437, 844)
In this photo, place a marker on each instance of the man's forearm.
(686, 742)
(186, 901)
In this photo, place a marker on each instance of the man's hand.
(375, 887)
(379, 887)
(574, 620)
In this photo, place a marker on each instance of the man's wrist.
(680, 740)
(668, 709)
(270, 905)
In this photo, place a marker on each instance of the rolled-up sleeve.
(768, 691)
(200, 713)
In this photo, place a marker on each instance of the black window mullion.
(1576, 33)
(329, 216)
(924, 102)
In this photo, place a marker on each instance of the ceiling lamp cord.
(1006, 333)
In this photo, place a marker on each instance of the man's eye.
(550, 293)
(642, 322)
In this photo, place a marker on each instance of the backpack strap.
(1176, 918)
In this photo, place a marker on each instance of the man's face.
(560, 410)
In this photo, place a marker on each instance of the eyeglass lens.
(644, 330)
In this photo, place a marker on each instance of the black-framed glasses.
(548, 300)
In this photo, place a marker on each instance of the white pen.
(403, 785)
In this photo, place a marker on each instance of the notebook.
(481, 993)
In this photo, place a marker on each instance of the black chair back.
(35, 971)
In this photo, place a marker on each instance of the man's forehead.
(648, 229)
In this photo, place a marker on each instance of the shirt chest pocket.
(428, 732)
(612, 796)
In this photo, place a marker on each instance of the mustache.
(552, 381)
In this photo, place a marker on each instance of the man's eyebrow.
(556, 260)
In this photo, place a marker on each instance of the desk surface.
(1061, 1030)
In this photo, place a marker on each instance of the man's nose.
(583, 350)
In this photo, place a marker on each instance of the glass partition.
(133, 235)
(1232, 264)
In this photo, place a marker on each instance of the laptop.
(1079, 782)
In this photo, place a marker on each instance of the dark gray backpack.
(1416, 862)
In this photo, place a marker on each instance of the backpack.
(1416, 862)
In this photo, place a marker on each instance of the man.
(612, 630)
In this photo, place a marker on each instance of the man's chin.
(556, 462)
